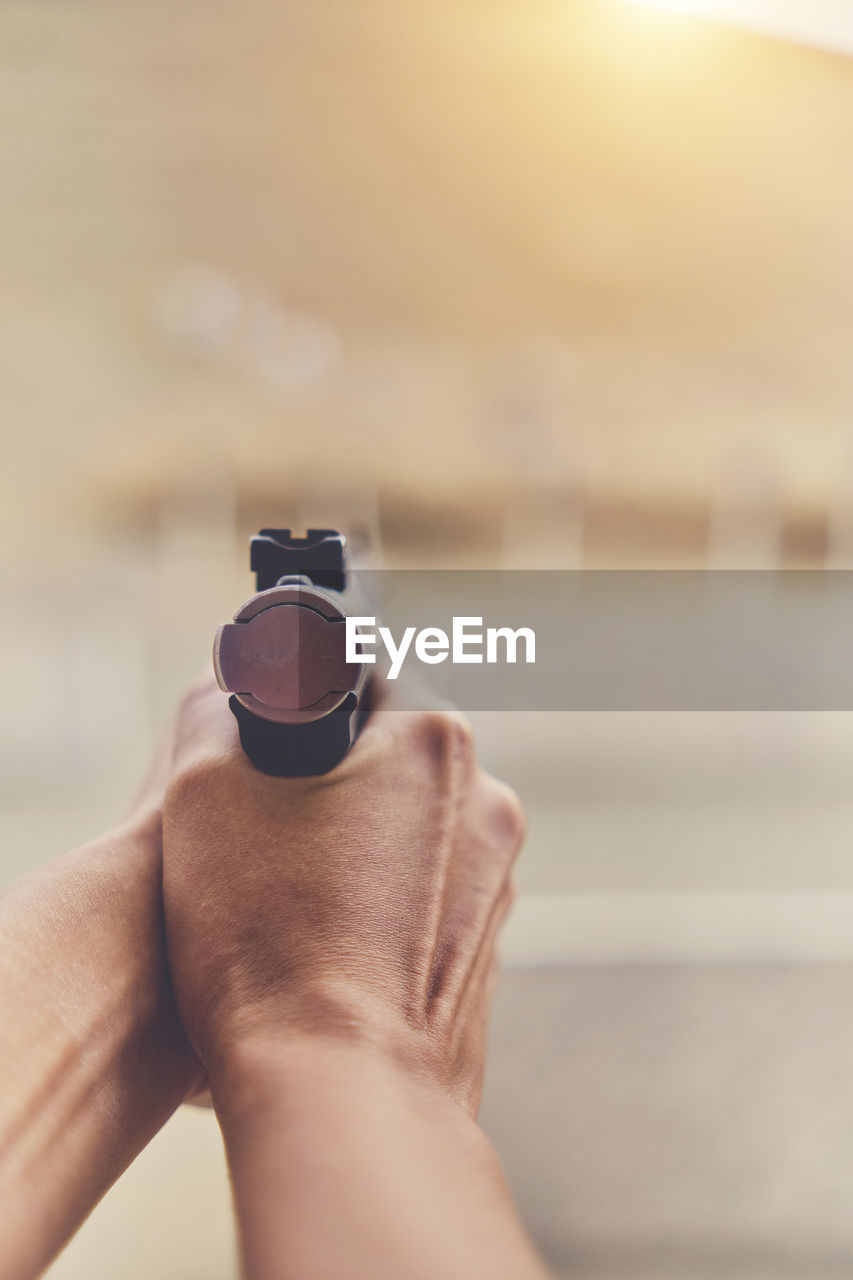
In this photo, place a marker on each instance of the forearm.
(93, 1058)
(344, 1165)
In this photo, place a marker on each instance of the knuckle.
(198, 695)
(508, 816)
(447, 734)
(195, 781)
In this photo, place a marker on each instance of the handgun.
(298, 703)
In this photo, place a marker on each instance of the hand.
(361, 906)
(94, 1057)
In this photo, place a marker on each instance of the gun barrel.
(297, 701)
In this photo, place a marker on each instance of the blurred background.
(485, 283)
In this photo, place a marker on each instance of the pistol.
(298, 703)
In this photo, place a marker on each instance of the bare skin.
(94, 1058)
(331, 943)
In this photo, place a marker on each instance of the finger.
(442, 737)
(472, 1030)
(409, 692)
(205, 724)
(504, 819)
(492, 828)
(482, 973)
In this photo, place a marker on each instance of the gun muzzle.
(297, 701)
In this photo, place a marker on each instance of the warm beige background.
(570, 244)
(485, 282)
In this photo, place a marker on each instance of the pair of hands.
(361, 907)
(321, 953)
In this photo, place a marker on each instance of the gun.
(298, 703)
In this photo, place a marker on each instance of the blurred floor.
(696, 1120)
(684, 1122)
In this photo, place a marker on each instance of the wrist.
(347, 1163)
(265, 1067)
(333, 1015)
(119, 878)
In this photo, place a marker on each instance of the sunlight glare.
(706, 7)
